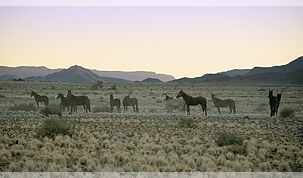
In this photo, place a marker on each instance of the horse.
(274, 103)
(114, 102)
(224, 103)
(64, 102)
(167, 97)
(39, 98)
(127, 101)
(78, 101)
(193, 101)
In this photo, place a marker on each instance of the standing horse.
(224, 103)
(114, 102)
(167, 97)
(193, 101)
(274, 102)
(127, 101)
(39, 98)
(64, 102)
(78, 101)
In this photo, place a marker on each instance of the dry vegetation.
(159, 138)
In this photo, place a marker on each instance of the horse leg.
(188, 111)
(230, 109)
(219, 110)
(38, 104)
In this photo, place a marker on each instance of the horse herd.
(72, 101)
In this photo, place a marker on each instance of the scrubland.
(159, 138)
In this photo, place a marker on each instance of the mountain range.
(77, 74)
(291, 73)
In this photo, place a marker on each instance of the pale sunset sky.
(184, 41)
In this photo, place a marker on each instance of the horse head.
(33, 93)
(181, 92)
(59, 95)
(270, 93)
(69, 92)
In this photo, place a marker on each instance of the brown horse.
(274, 102)
(193, 101)
(40, 98)
(127, 101)
(78, 101)
(224, 103)
(114, 102)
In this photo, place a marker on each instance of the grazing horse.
(274, 102)
(224, 103)
(64, 102)
(193, 101)
(114, 102)
(39, 98)
(127, 101)
(167, 97)
(78, 101)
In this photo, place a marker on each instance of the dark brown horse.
(40, 98)
(78, 101)
(193, 101)
(224, 103)
(114, 102)
(127, 101)
(64, 102)
(274, 102)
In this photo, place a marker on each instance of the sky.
(184, 41)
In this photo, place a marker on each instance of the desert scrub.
(186, 122)
(52, 127)
(287, 112)
(174, 105)
(51, 109)
(23, 107)
(102, 108)
(228, 138)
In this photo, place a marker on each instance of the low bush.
(287, 112)
(103, 108)
(174, 105)
(186, 122)
(23, 107)
(53, 127)
(228, 138)
(2, 96)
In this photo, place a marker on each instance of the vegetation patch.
(23, 107)
(225, 138)
(52, 127)
(287, 112)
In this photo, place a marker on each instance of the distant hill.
(26, 71)
(35, 73)
(236, 72)
(149, 80)
(291, 73)
(290, 67)
(135, 76)
(76, 74)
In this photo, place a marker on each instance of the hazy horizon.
(179, 41)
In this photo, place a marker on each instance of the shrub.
(228, 138)
(103, 108)
(186, 122)
(287, 112)
(53, 127)
(51, 109)
(174, 105)
(238, 149)
(23, 107)
(2, 96)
